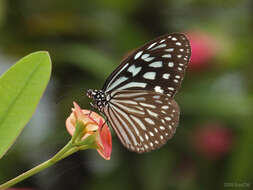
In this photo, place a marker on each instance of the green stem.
(67, 150)
(71, 151)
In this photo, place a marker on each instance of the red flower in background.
(212, 140)
(204, 47)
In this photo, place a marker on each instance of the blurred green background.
(212, 148)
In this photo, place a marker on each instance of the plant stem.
(67, 150)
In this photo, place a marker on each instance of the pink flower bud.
(204, 47)
(212, 140)
(94, 125)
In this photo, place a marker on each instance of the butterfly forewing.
(143, 120)
(157, 66)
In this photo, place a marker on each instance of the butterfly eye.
(138, 97)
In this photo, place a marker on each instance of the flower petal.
(104, 141)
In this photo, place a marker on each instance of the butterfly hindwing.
(142, 120)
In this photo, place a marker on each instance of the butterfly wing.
(142, 120)
(157, 66)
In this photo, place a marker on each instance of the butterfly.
(138, 97)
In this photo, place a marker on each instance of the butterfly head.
(99, 98)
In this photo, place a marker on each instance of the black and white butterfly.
(138, 97)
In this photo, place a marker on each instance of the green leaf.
(21, 88)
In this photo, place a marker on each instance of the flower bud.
(82, 124)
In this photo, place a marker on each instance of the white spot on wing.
(152, 113)
(151, 133)
(167, 56)
(169, 50)
(137, 55)
(158, 89)
(152, 45)
(128, 95)
(146, 136)
(158, 101)
(159, 46)
(134, 70)
(156, 97)
(140, 108)
(145, 56)
(140, 99)
(149, 59)
(178, 44)
(147, 105)
(162, 127)
(166, 75)
(149, 75)
(156, 64)
(168, 118)
(133, 84)
(171, 64)
(165, 107)
(150, 121)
